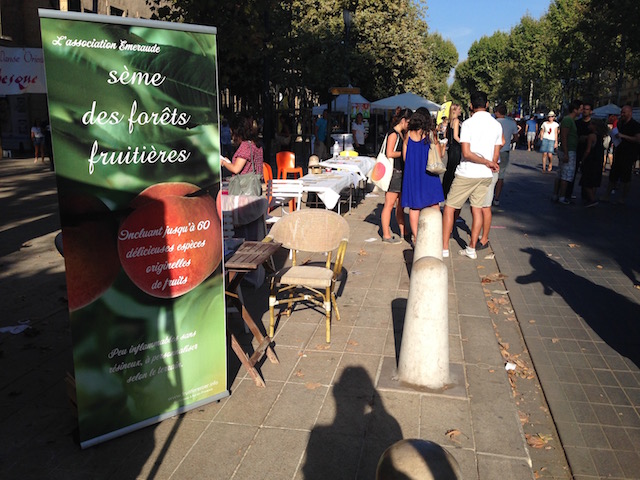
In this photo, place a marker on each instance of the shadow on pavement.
(362, 429)
(611, 315)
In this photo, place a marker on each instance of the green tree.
(482, 69)
(301, 45)
(443, 56)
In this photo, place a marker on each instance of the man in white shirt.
(481, 140)
(359, 134)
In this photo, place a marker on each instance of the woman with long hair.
(454, 152)
(420, 189)
(248, 156)
(392, 198)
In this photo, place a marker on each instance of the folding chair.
(281, 192)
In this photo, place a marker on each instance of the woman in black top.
(454, 147)
(395, 139)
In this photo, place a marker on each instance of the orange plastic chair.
(286, 162)
(267, 174)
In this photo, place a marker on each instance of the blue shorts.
(547, 145)
(38, 140)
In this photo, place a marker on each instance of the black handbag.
(247, 183)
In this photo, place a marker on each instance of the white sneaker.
(445, 253)
(469, 252)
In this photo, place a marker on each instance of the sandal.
(393, 240)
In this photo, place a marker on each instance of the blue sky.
(465, 21)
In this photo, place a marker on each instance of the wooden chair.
(313, 231)
(286, 162)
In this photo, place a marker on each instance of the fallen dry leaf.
(299, 374)
(555, 340)
(538, 440)
(524, 417)
(500, 292)
(312, 385)
(573, 245)
(599, 266)
(323, 346)
(353, 343)
(492, 306)
(362, 252)
(532, 321)
(453, 434)
(493, 277)
(637, 285)
(536, 474)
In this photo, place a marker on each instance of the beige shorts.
(488, 199)
(463, 188)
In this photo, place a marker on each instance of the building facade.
(21, 60)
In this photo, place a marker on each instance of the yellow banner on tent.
(443, 112)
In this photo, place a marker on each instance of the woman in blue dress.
(420, 189)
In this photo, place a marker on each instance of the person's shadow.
(361, 431)
(612, 316)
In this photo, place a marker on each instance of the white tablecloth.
(360, 165)
(328, 185)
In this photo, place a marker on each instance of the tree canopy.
(302, 46)
(579, 48)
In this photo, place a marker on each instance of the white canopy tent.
(341, 103)
(606, 110)
(405, 100)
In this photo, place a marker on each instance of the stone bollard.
(415, 459)
(429, 241)
(424, 352)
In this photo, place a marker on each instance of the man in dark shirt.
(582, 125)
(625, 153)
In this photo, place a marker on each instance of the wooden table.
(249, 256)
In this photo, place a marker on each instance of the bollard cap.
(414, 459)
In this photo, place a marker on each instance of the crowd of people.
(477, 157)
(476, 152)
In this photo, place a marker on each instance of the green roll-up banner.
(134, 121)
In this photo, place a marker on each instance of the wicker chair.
(313, 231)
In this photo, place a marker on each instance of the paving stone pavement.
(330, 411)
(573, 275)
